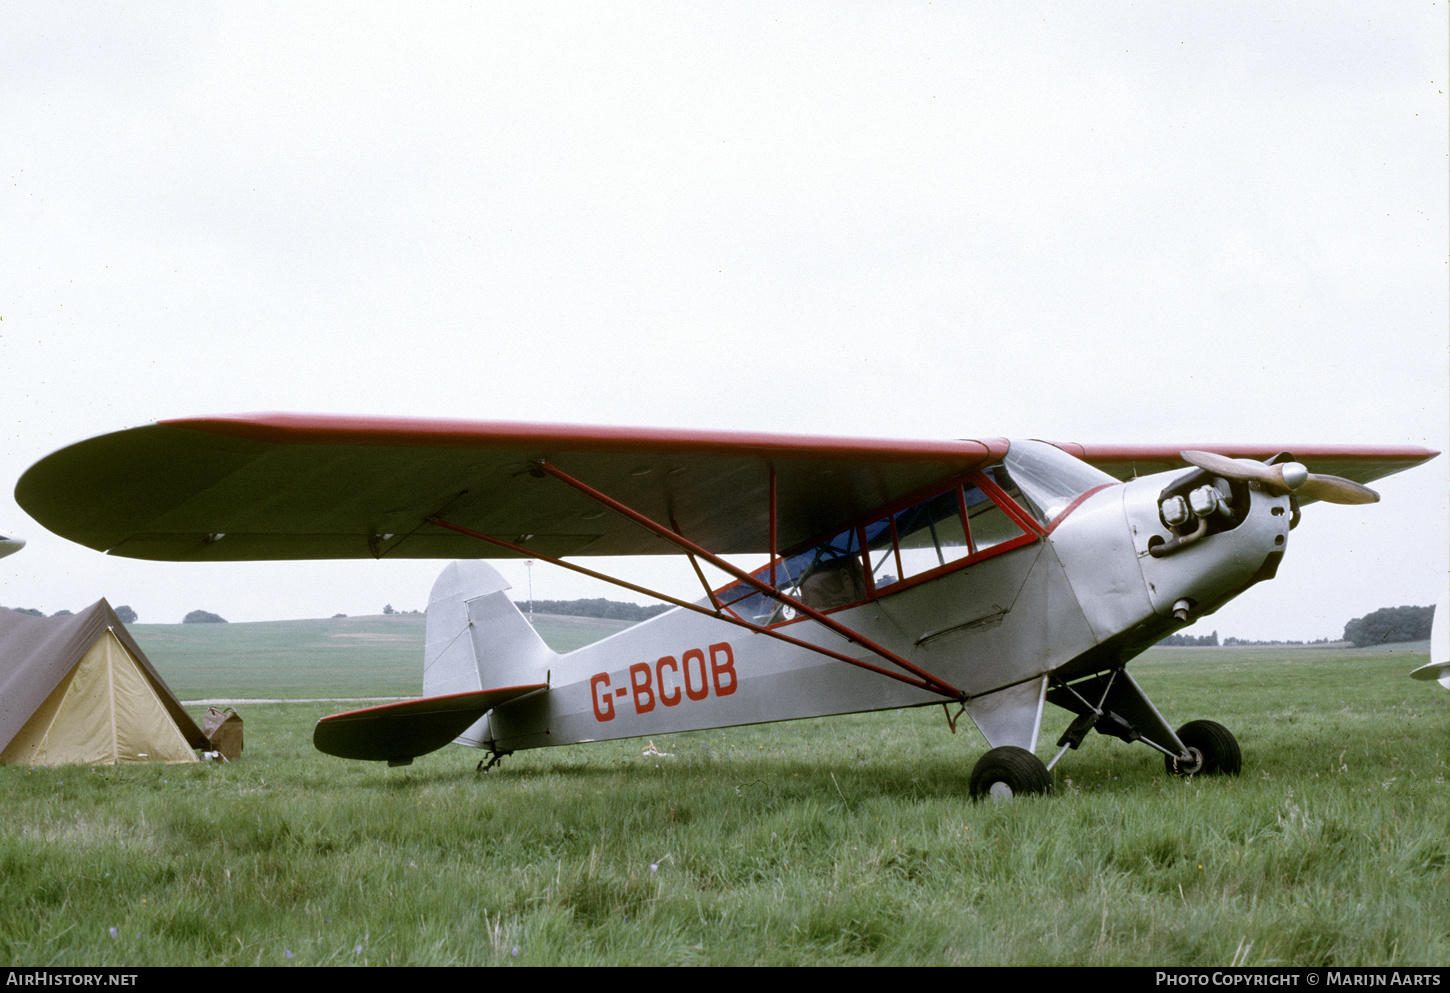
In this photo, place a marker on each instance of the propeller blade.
(1312, 486)
(1245, 469)
(1336, 489)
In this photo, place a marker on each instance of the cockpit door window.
(929, 536)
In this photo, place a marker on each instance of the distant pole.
(530, 564)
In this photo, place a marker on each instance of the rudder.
(476, 638)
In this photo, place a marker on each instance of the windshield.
(1046, 478)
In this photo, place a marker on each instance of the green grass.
(837, 841)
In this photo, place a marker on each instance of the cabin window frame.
(1032, 531)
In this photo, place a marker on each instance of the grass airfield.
(845, 840)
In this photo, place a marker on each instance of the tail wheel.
(1007, 772)
(1214, 749)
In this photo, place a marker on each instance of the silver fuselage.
(1085, 597)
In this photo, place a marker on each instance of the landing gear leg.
(494, 758)
(1124, 711)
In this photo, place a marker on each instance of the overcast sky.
(1092, 221)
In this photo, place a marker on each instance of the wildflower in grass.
(115, 932)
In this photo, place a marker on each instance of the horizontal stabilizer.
(399, 732)
(1437, 671)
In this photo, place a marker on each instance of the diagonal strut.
(924, 680)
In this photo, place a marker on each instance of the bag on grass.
(223, 728)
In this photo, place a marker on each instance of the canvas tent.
(78, 689)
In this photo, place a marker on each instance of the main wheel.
(1007, 772)
(1215, 748)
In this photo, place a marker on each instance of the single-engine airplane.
(995, 576)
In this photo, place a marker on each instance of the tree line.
(613, 610)
(1386, 626)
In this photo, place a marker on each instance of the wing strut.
(923, 679)
(699, 573)
(930, 683)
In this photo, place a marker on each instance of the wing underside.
(291, 487)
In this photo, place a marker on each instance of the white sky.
(1095, 222)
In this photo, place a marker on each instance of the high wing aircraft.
(989, 575)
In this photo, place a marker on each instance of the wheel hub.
(1194, 763)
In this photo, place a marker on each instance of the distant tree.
(1191, 641)
(203, 617)
(125, 614)
(336, 616)
(388, 608)
(600, 607)
(1252, 642)
(29, 610)
(62, 613)
(1389, 625)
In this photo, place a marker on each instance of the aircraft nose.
(1202, 540)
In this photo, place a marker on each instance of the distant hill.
(372, 655)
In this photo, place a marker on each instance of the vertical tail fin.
(476, 638)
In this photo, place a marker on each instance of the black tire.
(1013, 771)
(1213, 742)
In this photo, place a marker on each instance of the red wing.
(1361, 463)
(297, 486)
(290, 486)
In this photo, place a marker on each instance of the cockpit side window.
(935, 533)
(928, 536)
(825, 576)
(991, 525)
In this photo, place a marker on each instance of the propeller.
(1287, 477)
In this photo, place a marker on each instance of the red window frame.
(1032, 531)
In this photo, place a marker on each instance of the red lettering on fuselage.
(726, 668)
(690, 676)
(603, 702)
(668, 699)
(690, 691)
(644, 694)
